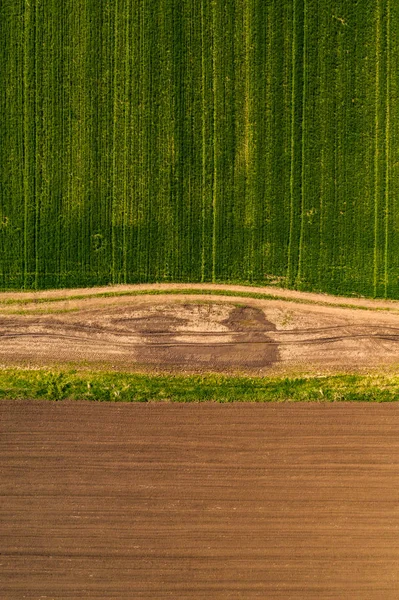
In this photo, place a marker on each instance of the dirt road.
(272, 290)
(200, 333)
(106, 501)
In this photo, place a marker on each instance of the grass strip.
(100, 386)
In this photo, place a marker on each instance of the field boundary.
(56, 384)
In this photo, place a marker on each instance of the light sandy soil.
(271, 290)
(201, 333)
(210, 502)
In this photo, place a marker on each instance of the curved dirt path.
(269, 290)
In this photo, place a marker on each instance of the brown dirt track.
(188, 333)
(200, 501)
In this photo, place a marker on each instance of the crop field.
(200, 140)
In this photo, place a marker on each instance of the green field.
(200, 140)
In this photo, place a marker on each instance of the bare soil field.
(200, 333)
(199, 501)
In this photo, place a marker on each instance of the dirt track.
(272, 290)
(210, 502)
(188, 333)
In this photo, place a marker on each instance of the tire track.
(140, 344)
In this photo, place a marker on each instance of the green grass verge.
(128, 387)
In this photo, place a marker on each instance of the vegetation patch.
(226, 141)
(122, 387)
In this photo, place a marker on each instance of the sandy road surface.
(272, 290)
(216, 502)
(200, 333)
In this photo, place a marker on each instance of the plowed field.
(196, 501)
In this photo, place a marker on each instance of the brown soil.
(189, 333)
(106, 501)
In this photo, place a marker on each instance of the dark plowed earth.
(201, 501)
